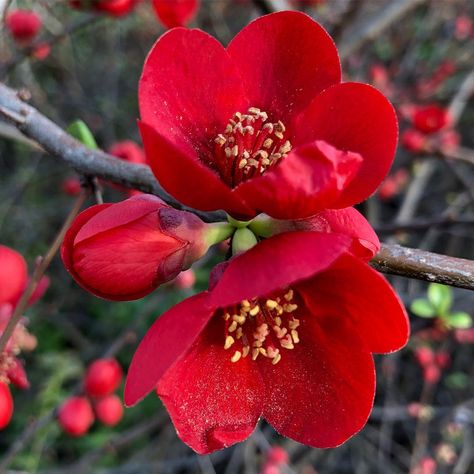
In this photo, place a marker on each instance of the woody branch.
(392, 259)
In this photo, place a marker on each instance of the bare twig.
(427, 266)
(39, 272)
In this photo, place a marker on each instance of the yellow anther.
(236, 357)
(276, 359)
(220, 139)
(255, 310)
(280, 332)
(285, 148)
(278, 321)
(254, 110)
(235, 150)
(266, 144)
(287, 343)
(245, 351)
(226, 316)
(255, 353)
(238, 116)
(289, 295)
(263, 351)
(272, 352)
(228, 152)
(290, 307)
(242, 163)
(238, 333)
(271, 304)
(294, 335)
(229, 340)
(245, 303)
(239, 319)
(233, 326)
(294, 323)
(252, 162)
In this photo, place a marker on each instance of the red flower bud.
(102, 377)
(13, 275)
(109, 410)
(413, 140)
(277, 455)
(443, 359)
(464, 336)
(17, 375)
(175, 13)
(23, 25)
(425, 356)
(431, 118)
(128, 151)
(76, 416)
(41, 51)
(71, 186)
(6, 405)
(115, 8)
(124, 251)
(431, 374)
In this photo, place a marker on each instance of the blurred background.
(86, 66)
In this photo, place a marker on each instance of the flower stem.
(39, 272)
(218, 232)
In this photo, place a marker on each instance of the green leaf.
(459, 320)
(423, 308)
(457, 380)
(441, 297)
(81, 132)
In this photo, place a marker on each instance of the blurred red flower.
(75, 416)
(264, 125)
(175, 12)
(431, 118)
(285, 332)
(128, 150)
(102, 378)
(116, 8)
(6, 405)
(109, 410)
(23, 25)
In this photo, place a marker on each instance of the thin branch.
(427, 266)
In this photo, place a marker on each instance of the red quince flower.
(175, 12)
(6, 405)
(23, 25)
(116, 8)
(124, 251)
(128, 150)
(109, 410)
(75, 416)
(102, 378)
(431, 118)
(286, 333)
(264, 125)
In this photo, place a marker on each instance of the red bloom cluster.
(76, 414)
(13, 282)
(23, 25)
(175, 12)
(287, 328)
(116, 8)
(431, 363)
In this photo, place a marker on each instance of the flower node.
(261, 327)
(249, 146)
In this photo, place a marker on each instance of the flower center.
(249, 146)
(261, 327)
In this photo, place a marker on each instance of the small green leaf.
(81, 132)
(441, 297)
(457, 380)
(459, 320)
(422, 308)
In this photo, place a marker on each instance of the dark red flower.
(431, 118)
(23, 25)
(75, 416)
(413, 140)
(263, 125)
(286, 333)
(13, 275)
(71, 186)
(109, 410)
(6, 405)
(41, 51)
(175, 12)
(102, 378)
(116, 8)
(124, 251)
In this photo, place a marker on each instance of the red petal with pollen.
(276, 263)
(179, 174)
(285, 59)
(212, 401)
(13, 275)
(365, 297)
(310, 179)
(346, 221)
(358, 118)
(175, 12)
(170, 336)
(322, 391)
(189, 90)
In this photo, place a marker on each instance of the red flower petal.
(13, 275)
(358, 118)
(174, 13)
(308, 180)
(178, 173)
(276, 263)
(189, 90)
(346, 221)
(363, 295)
(213, 402)
(322, 391)
(285, 59)
(40, 290)
(166, 341)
